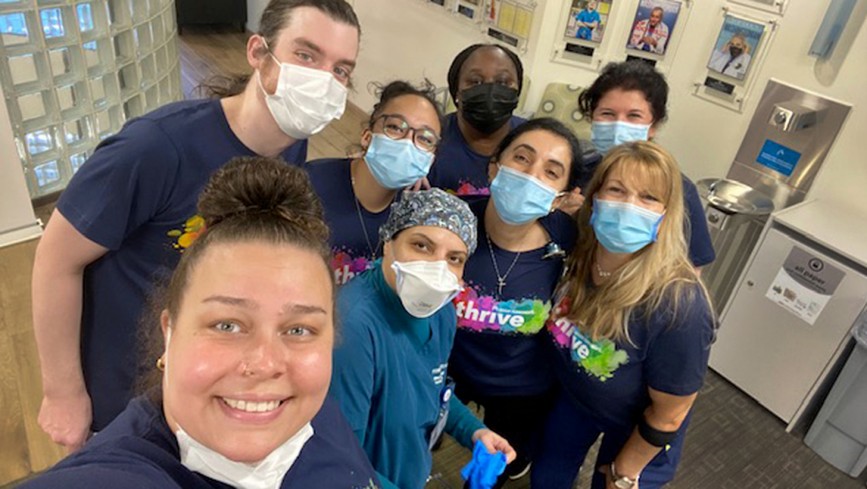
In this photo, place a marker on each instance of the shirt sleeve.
(701, 250)
(677, 357)
(461, 423)
(125, 183)
(352, 376)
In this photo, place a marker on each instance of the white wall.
(17, 220)
(254, 11)
(406, 39)
(411, 39)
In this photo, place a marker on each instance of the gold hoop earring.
(161, 363)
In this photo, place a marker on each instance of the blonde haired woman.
(632, 325)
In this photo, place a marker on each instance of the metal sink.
(734, 197)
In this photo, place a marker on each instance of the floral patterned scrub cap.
(432, 207)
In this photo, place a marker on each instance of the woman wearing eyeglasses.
(398, 149)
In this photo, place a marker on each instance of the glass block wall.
(73, 71)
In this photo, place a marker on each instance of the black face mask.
(735, 52)
(488, 106)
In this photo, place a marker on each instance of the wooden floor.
(733, 442)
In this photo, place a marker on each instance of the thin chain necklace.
(602, 273)
(370, 247)
(501, 279)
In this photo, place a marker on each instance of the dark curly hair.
(627, 76)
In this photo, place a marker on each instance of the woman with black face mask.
(485, 82)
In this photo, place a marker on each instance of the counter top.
(837, 228)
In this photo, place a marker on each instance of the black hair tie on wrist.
(654, 436)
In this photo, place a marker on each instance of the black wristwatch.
(621, 481)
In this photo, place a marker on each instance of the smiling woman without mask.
(399, 142)
(245, 361)
(96, 261)
(485, 81)
(631, 322)
(390, 371)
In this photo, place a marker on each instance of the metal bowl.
(734, 197)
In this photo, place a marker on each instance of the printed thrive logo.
(484, 313)
(599, 358)
(345, 266)
(466, 188)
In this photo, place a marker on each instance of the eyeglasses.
(395, 127)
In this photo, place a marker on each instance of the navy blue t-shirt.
(701, 250)
(457, 167)
(498, 349)
(608, 380)
(137, 197)
(347, 218)
(138, 450)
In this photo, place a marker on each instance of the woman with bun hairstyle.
(632, 328)
(130, 211)
(398, 145)
(237, 395)
(391, 368)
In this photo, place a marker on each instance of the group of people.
(322, 323)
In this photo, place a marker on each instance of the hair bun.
(248, 186)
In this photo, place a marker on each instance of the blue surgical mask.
(520, 198)
(622, 227)
(396, 163)
(606, 135)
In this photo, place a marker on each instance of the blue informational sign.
(778, 157)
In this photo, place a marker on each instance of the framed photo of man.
(736, 45)
(587, 20)
(653, 25)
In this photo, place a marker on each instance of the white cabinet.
(771, 353)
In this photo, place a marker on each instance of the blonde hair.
(658, 275)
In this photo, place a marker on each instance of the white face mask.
(305, 101)
(424, 286)
(267, 474)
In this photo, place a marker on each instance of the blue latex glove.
(483, 469)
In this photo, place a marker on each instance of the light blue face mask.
(396, 163)
(622, 227)
(606, 135)
(520, 198)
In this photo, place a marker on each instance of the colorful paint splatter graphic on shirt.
(599, 358)
(484, 313)
(467, 188)
(184, 238)
(345, 266)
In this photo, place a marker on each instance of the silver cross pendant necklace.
(501, 279)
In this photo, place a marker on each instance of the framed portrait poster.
(738, 50)
(738, 41)
(587, 20)
(653, 25)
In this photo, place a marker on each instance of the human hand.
(66, 419)
(422, 184)
(495, 443)
(649, 40)
(609, 482)
(571, 202)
